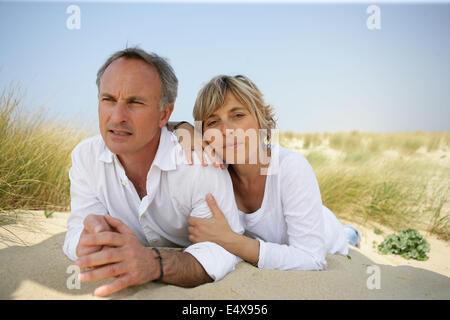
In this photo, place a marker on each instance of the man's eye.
(136, 102)
(211, 123)
(240, 115)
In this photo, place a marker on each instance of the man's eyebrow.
(132, 98)
(107, 95)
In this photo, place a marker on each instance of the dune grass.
(34, 158)
(359, 181)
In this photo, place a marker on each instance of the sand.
(34, 267)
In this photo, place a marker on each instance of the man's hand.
(92, 224)
(127, 259)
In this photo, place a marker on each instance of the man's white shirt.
(175, 191)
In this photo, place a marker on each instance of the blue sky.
(318, 64)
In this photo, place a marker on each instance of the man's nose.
(120, 112)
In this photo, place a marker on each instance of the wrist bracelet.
(175, 127)
(160, 264)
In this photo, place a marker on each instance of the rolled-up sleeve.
(216, 261)
(83, 200)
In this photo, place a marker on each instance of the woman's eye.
(240, 115)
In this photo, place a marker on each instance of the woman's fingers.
(186, 140)
(193, 221)
(205, 151)
(188, 152)
(213, 206)
(185, 135)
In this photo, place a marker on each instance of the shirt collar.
(166, 155)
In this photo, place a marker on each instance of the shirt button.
(124, 183)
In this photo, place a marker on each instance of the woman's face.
(233, 132)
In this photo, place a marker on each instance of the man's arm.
(182, 269)
(216, 261)
(83, 200)
(127, 259)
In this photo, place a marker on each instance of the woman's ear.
(165, 115)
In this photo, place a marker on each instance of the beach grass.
(34, 157)
(399, 180)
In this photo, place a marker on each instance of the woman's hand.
(190, 141)
(215, 229)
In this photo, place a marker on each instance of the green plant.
(377, 231)
(408, 243)
(48, 213)
(35, 159)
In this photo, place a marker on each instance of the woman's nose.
(227, 129)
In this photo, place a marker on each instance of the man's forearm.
(182, 269)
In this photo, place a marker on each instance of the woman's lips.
(232, 145)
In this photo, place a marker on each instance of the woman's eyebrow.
(237, 108)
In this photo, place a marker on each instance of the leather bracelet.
(160, 264)
(175, 127)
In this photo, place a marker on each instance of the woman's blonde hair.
(212, 97)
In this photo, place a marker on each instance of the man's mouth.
(120, 133)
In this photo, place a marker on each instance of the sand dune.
(34, 267)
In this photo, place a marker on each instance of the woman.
(287, 227)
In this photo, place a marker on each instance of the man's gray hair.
(169, 82)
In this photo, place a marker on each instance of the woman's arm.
(302, 210)
(216, 229)
(187, 139)
(172, 124)
(244, 247)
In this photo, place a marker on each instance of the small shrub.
(377, 231)
(409, 243)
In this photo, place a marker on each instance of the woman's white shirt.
(294, 228)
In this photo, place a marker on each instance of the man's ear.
(165, 115)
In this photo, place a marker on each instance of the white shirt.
(294, 229)
(175, 191)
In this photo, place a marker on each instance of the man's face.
(129, 117)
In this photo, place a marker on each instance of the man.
(129, 189)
